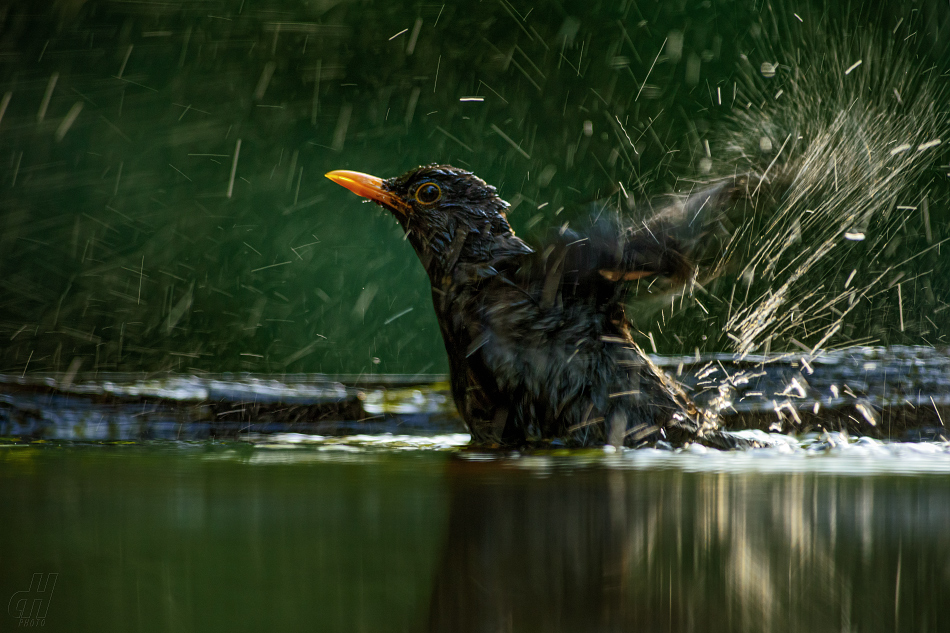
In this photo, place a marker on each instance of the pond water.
(390, 533)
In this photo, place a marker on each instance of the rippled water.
(409, 533)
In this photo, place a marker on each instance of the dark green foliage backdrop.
(127, 244)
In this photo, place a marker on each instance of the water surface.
(408, 534)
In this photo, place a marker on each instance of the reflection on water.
(344, 538)
(614, 550)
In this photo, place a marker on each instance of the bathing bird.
(538, 339)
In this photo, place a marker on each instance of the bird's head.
(450, 215)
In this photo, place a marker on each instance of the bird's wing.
(610, 252)
(681, 233)
(704, 221)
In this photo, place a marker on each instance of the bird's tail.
(817, 192)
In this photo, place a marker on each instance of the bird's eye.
(428, 193)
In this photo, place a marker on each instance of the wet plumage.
(538, 339)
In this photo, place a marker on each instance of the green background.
(121, 250)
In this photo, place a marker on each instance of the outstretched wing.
(683, 232)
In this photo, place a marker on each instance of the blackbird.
(538, 340)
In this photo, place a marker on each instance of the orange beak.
(368, 187)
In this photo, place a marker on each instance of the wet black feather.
(538, 340)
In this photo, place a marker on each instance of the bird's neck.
(442, 252)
